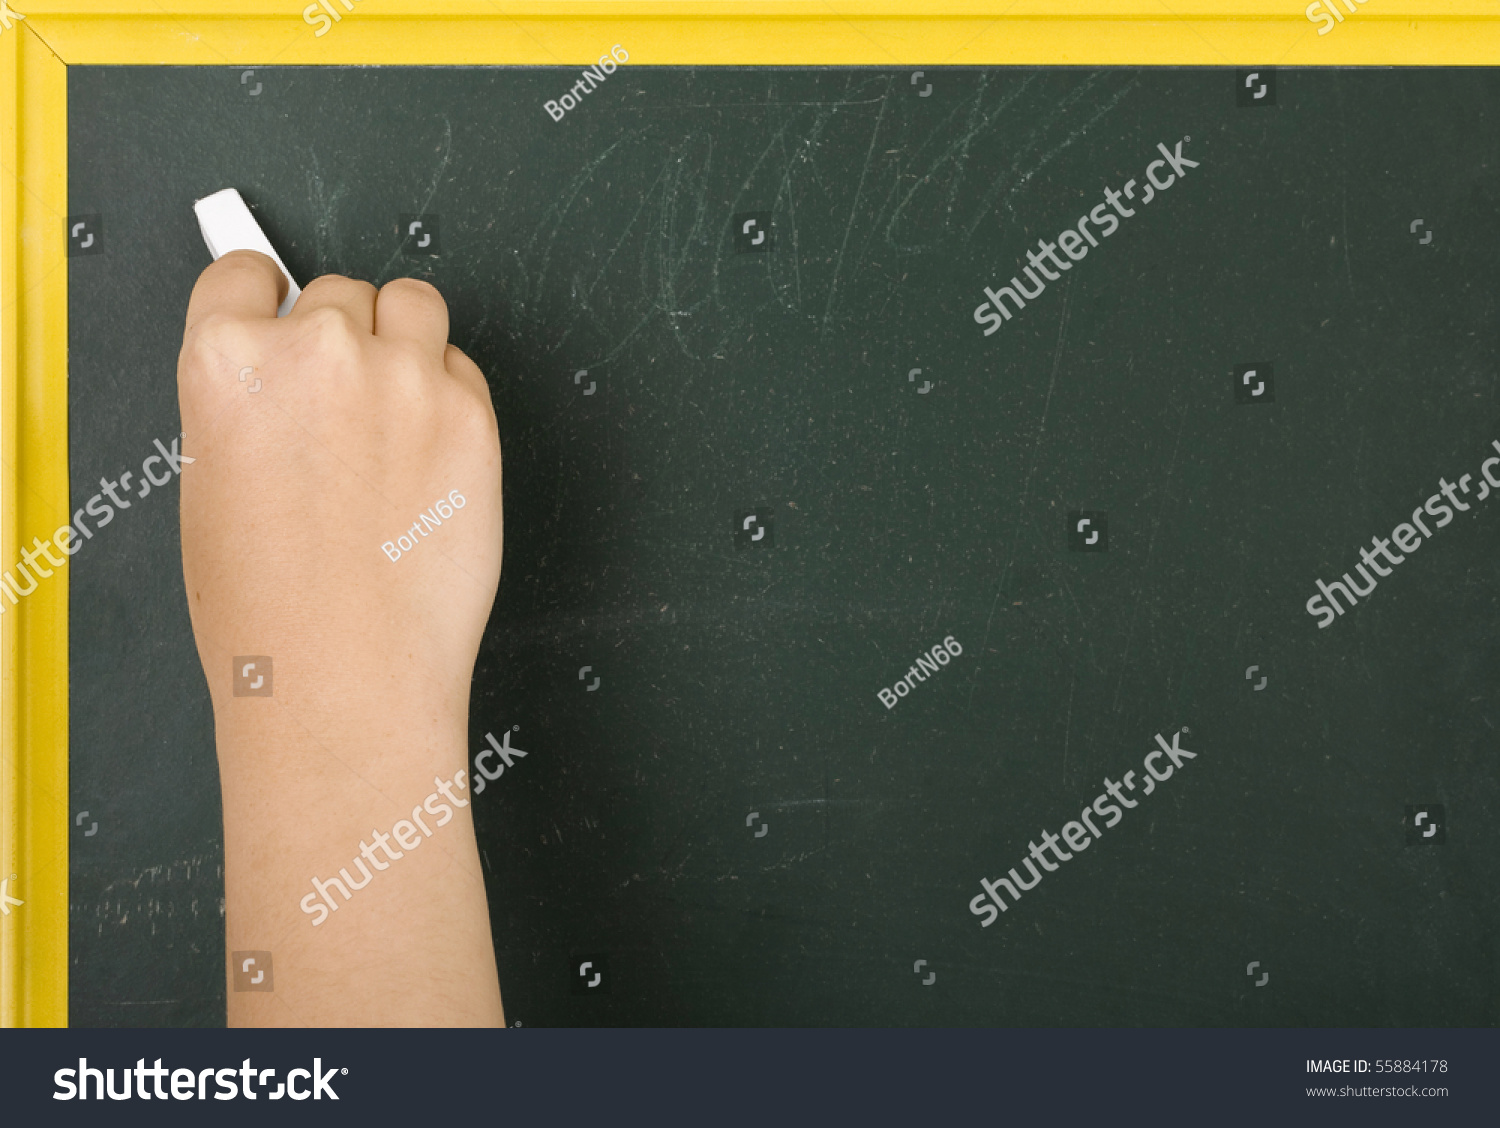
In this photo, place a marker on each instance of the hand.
(364, 420)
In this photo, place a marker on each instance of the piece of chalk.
(227, 225)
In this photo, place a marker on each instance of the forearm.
(366, 793)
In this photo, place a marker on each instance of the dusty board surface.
(739, 679)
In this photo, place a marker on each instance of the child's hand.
(354, 417)
(321, 441)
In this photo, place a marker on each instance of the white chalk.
(227, 225)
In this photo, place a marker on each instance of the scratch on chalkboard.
(159, 893)
(859, 192)
(804, 154)
(1011, 187)
(826, 110)
(787, 804)
(325, 206)
(1343, 132)
(625, 231)
(784, 191)
(1062, 331)
(1068, 724)
(1146, 567)
(958, 151)
(432, 190)
(788, 862)
(671, 267)
(681, 201)
(559, 211)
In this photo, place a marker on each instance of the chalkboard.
(760, 455)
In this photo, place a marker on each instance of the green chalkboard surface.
(761, 455)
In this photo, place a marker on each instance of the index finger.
(242, 283)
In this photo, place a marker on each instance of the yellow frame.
(51, 34)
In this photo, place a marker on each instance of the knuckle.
(415, 287)
(475, 417)
(326, 281)
(214, 328)
(464, 411)
(330, 344)
(413, 295)
(468, 374)
(337, 287)
(333, 325)
(408, 360)
(214, 341)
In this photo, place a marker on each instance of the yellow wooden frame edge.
(787, 32)
(49, 35)
(33, 490)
